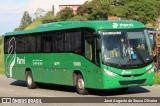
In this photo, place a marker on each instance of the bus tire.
(122, 89)
(29, 80)
(80, 85)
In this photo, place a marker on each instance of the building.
(113, 18)
(74, 7)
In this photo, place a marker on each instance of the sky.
(11, 11)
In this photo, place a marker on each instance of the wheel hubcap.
(80, 84)
(29, 80)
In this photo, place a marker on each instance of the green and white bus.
(91, 54)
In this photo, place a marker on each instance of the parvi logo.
(126, 25)
(125, 72)
(115, 25)
(20, 60)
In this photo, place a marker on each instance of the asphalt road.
(15, 88)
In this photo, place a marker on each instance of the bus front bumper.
(109, 82)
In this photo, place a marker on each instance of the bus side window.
(47, 43)
(90, 48)
(20, 44)
(72, 41)
(6, 45)
(39, 48)
(8, 49)
(59, 41)
(30, 44)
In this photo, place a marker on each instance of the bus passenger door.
(91, 66)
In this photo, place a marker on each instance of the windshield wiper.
(139, 55)
(120, 62)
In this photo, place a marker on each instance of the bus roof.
(96, 25)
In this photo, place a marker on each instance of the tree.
(145, 11)
(141, 10)
(117, 2)
(49, 17)
(25, 21)
(95, 9)
(39, 12)
(65, 14)
(78, 17)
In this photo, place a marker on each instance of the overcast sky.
(11, 11)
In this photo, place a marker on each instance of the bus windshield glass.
(126, 48)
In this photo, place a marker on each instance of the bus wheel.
(80, 85)
(29, 79)
(122, 89)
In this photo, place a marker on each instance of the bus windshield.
(126, 48)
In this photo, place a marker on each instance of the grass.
(1, 57)
(1, 69)
(157, 78)
(34, 24)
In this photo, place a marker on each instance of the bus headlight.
(151, 70)
(109, 73)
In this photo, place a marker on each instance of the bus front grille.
(132, 82)
(137, 75)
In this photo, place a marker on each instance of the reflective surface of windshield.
(126, 47)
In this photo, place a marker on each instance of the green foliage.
(145, 11)
(44, 21)
(78, 17)
(1, 40)
(34, 24)
(1, 55)
(39, 12)
(65, 14)
(49, 17)
(25, 21)
(157, 78)
(18, 29)
(141, 10)
(95, 9)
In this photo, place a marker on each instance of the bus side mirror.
(96, 35)
(99, 44)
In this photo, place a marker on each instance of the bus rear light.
(109, 73)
